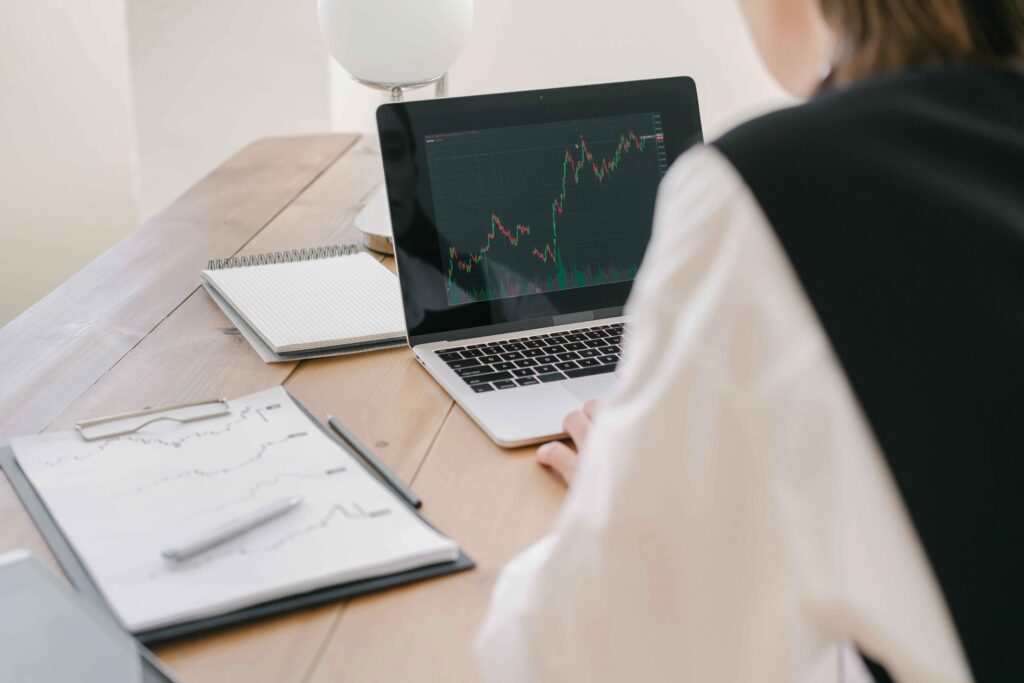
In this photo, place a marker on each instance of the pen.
(231, 529)
(375, 463)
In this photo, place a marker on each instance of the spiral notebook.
(309, 303)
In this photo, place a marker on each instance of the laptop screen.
(545, 207)
(530, 210)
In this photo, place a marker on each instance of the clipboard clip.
(129, 423)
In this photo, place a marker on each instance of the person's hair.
(876, 36)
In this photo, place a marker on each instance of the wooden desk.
(134, 329)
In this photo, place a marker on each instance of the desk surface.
(134, 329)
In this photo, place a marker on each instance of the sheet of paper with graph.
(122, 501)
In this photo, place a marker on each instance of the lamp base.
(374, 221)
(397, 90)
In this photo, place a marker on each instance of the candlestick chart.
(539, 208)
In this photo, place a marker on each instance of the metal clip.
(129, 423)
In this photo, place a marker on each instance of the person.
(818, 430)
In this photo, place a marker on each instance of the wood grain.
(495, 503)
(195, 354)
(141, 333)
(59, 347)
(385, 398)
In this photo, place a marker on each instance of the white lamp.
(394, 45)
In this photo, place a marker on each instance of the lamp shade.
(395, 41)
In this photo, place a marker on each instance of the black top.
(900, 202)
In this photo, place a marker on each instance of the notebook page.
(310, 304)
(122, 501)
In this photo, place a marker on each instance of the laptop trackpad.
(597, 386)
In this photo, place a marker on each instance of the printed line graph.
(277, 479)
(134, 496)
(338, 511)
(179, 457)
(254, 454)
(336, 514)
(580, 193)
(144, 440)
(261, 452)
(265, 485)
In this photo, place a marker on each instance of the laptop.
(520, 221)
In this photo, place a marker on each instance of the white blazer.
(732, 518)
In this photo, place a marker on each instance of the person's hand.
(564, 458)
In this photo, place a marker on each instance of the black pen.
(375, 463)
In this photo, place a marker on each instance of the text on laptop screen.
(538, 208)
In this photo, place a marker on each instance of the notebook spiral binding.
(289, 256)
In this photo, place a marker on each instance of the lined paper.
(315, 304)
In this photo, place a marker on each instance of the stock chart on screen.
(540, 208)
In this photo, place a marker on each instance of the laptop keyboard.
(540, 358)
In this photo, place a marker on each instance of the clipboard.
(79, 577)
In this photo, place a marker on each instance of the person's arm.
(708, 533)
(670, 559)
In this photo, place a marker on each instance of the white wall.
(522, 44)
(109, 109)
(199, 79)
(210, 76)
(67, 144)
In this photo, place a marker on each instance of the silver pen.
(232, 528)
